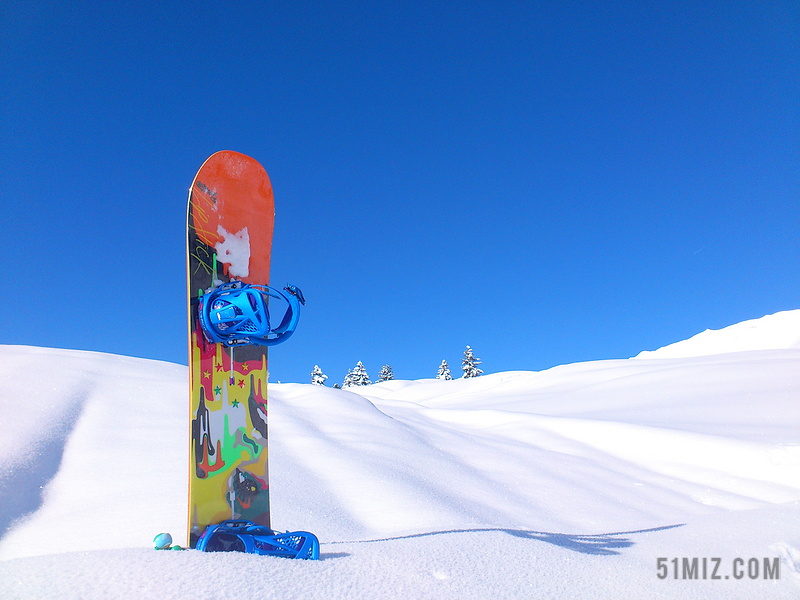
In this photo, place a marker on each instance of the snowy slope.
(773, 332)
(562, 483)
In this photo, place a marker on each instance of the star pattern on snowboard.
(235, 404)
(217, 391)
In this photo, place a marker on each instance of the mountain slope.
(556, 478)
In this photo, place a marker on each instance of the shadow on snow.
(601, 544)
(22, 485)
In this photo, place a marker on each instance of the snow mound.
(772, 332)
(515, 484)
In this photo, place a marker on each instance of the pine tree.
(444, 372)
(357, 376)
(470, 364)
(386, 373)
(317, 376)
(360, 376)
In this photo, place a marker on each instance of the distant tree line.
(359, 377)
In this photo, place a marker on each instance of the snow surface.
(773, 332)
(569, 482)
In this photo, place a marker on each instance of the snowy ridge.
(514, 484)
(772, 332)
(81, 431)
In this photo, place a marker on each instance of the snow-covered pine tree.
(317, 376)
(386, 373)
(360, 376)
(357, 376)
(470, 364)
(444, 372)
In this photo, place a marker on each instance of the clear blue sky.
(546, 182)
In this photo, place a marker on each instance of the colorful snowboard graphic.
(230, 220)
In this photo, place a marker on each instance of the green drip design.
(247, 440)
(230, 453)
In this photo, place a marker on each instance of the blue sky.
(546, 182)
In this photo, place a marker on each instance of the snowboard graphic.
(229, 236)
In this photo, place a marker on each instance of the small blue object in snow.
(236, 314)
(163, 541)
(236, 535)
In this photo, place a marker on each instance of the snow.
(772, 332)
(570, 482)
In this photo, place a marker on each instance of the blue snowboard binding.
(237, 535)
(236, 314)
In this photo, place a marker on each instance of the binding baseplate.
(238, 535)
(237, 314)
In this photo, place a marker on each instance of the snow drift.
(780, 331)
(569, 481)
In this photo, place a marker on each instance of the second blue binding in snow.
(238, 535)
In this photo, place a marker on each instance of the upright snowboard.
(229, 236)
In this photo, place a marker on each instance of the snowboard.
(230, 221)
